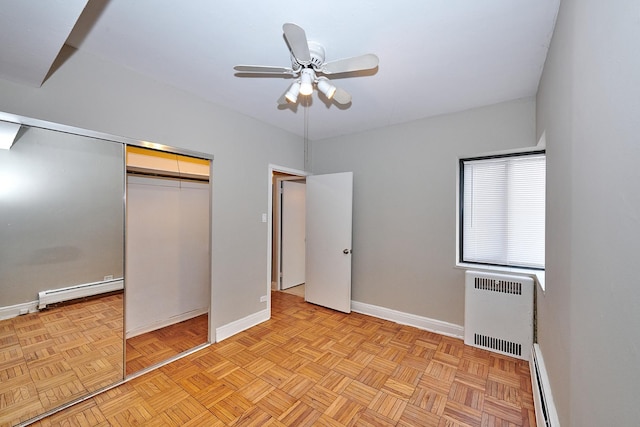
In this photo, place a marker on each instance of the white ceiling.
(32, 34)
(436, 56)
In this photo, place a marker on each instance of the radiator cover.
(78, 291)
(498, 314)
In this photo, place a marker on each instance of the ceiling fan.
(309, 68)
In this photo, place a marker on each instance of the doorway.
(288, 235)
(328, 236)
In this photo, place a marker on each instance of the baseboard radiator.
(498, 314)
(54, 296)
(546, 415)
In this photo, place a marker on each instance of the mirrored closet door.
(104, 262)
(167, 255)
(61, 270)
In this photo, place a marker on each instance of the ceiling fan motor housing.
(317, 57)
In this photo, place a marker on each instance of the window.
(502, 208)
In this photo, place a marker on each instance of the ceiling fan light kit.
(326, 88)
(292, 94)
(306, 81)
(307, 61)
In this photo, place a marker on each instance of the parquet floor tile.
(53, 356)
(310, 366)
(59, 354)
(156, 346)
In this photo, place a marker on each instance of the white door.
(293, 230)
(329, 201)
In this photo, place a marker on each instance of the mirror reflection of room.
(61, 270)
(74, 206)
(167, 256)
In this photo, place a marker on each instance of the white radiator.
(498, 313)
(79, 291)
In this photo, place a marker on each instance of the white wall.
(167, 266)
(90, 93)
(404, 213)
(61, 211)
(588, 107)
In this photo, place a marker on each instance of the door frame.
(277, 234)
(290, 171)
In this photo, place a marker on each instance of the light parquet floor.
(310, 366)
(156, 346)
(57, 355)
(54, 356)
(296, 290)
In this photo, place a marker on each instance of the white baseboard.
(546, 413)
(12, 311)
(420, 322)
(437, 326)
(166, 322)
(230, 329)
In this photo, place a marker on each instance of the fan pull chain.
(306, 135)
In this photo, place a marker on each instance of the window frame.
(460, 223)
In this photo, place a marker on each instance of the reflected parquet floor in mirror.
(311, 366)
(147, 349)
(54, 356)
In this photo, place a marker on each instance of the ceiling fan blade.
(297, 39)
(262, 69)
(347, 65)
(282, 100)
(342, 96)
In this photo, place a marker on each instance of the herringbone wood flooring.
(313, 366)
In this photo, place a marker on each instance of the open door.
(329, 200)
(293, 234)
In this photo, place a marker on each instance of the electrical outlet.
(263, 298)
(109, 277)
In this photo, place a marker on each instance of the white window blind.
(503, 202)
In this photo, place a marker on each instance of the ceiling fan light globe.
(306, 82)
(292, 94)
(291, 99)
(331, 92)
(306, 89)
(326, 88)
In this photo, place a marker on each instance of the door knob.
(346, 251)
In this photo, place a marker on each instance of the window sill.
(537, 275)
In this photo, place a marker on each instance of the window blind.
(503, 204)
